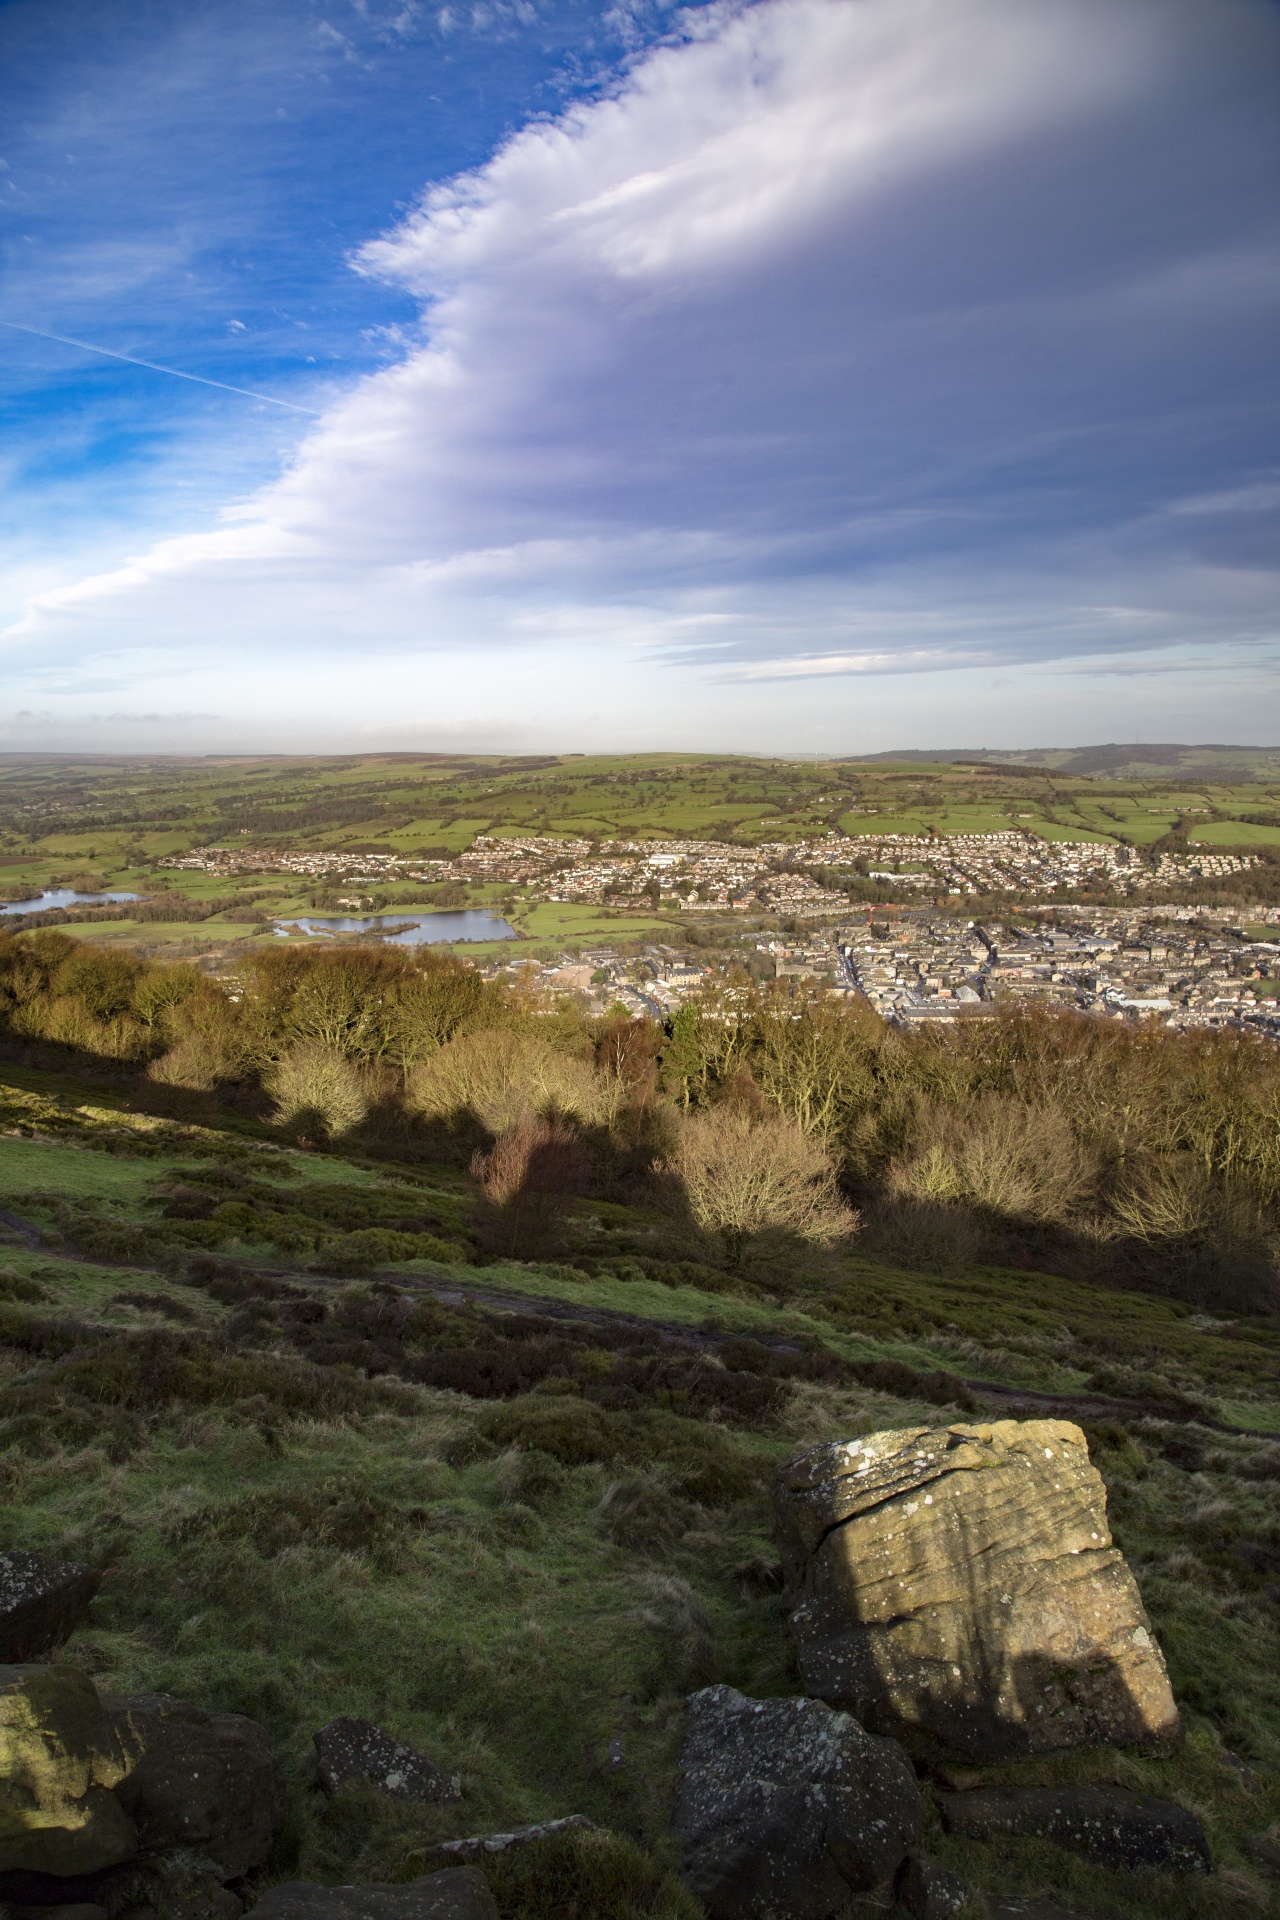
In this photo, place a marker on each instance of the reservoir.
(411, 929)
(65, 897)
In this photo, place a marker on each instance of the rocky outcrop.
(457, 1893)
(1116, 1828)
(59, 1760)
(355, 1750)
(208, 1782)
(41, 1602)
(786, 1808)
(961, 1583)
(122, 1798)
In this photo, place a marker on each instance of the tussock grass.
(516, 1542)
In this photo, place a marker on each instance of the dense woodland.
(758, 1115)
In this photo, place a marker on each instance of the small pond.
(64, 897)
(412, 929)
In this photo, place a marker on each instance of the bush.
(500, 1077)
(570, 1430)
(533, 1156)
(318, 1090)
(373, 1247)
(743, 1173)
(1021, 1161)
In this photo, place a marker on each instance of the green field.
(105, 823)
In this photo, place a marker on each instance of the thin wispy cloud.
(837, 341)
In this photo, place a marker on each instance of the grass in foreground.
(519, 1543)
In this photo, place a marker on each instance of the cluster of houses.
(1180, 967)
(709, 876)
(1175, 966)
(1015, 862)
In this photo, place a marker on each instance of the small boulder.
(786, 1808)
(59, 1759)
(208, 1782)
(457, 1893)
(927, 1890)
(41, 1602)
(1116, 1828)
(356, 1750)
(961, 1583)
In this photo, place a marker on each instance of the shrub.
(1021, 1161)
(582, 1875)
(533, 1156)
(16, 1286)
(372, 1247)
(744, 1173)
(317, 1089)
(500, 1077)
(529, 1478)
(570, 1430)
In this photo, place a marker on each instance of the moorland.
(417, 1347)
(420, 1346)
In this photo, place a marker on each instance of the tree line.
(1038, 1138)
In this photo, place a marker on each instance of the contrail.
(65, 340)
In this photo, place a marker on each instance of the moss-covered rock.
(59, 1760)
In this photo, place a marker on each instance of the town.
(1136, 959)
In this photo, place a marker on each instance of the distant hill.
(1115, 760)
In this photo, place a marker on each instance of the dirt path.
(1022, 1401)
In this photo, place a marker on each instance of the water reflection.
(65, 897)
(412, 929)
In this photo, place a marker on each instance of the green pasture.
(1231, 833)
(408, 806)
(575, 920)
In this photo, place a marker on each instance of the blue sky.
(815, 375)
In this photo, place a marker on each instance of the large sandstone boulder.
(59, 1760)
(41, 1602)
(456, 1893)
(208, 1782)
(787, 1809)
(961, 1582)
(355, 1750)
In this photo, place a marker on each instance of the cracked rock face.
(961, 1582)
(786, 1809)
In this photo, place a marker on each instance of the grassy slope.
(398, 1557)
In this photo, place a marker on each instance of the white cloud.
(844, 338)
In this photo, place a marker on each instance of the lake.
(413, 929)
(65, 897)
